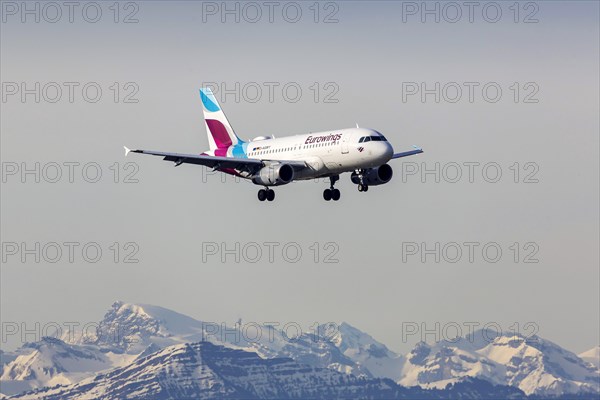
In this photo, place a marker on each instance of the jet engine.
(274, 175)
(374, 176)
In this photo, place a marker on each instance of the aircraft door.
(344, 145)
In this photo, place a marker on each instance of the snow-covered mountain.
(308, 348)
(129, 333)
(51, 359)
(134, 329)
(365, 351)
(532, 364)
(131, 328)
(592, 356)
(204, 370)
(52, 362)
(207, 371)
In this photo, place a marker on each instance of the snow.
(592, 356)
(534, 365)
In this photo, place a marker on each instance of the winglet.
(127, 150)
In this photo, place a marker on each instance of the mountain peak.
(129, 327)
(363, 349)
(347, 337)
(53, 361)
(592, 356)
(534, 365)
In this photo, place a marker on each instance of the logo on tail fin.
(220, 133)
(208, 100)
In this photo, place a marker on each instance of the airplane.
(268, 161)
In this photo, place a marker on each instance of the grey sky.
(367, 56)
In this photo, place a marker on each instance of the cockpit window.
(379, 138)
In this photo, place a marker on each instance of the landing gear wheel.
(360, 187)
(270, 195)
(262, 195)
(365, 188)
(335, 194)
(332, 193)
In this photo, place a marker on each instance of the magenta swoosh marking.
(222, 152)
(219, 133)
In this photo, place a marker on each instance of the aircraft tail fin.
(220, 133)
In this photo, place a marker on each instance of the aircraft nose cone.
(385, 152)
(389, 151)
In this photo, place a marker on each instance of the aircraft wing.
(417, 150)
(218, 162)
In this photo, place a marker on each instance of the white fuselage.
(326, 153)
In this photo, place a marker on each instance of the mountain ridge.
(129, 333)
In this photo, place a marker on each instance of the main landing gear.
(332, 193)
(362, 188)
(266, 194)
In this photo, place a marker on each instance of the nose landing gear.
(358, 177)
(332, 193)
(266, 194)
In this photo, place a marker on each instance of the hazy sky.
(370, 67)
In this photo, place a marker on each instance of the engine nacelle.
(274, 175)
(374, 176)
